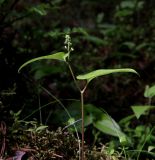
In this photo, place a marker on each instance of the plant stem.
(40, 112)
(82, 109)
(82, 116)
(73, 76)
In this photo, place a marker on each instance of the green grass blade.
(57, 56)
(101, 72)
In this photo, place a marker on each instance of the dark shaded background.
(105, 34)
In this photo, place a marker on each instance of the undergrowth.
(39, 143)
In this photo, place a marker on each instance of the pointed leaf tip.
(140, 110)
(101, 72)
(57, 56)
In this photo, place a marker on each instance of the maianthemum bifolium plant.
(88, 77)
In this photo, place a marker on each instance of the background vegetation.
(105, 34)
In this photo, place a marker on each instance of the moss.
(46, 145)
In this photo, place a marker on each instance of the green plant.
(87, 78)
(140, 137)
(96, 117)
(36, 140)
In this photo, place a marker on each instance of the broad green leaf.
(104, 123)
(109, 126)
(149, 91)
(140, 110)
(57, 56)
(101, 72)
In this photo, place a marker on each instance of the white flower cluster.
(68, 43)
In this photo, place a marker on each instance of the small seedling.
(88, 77)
